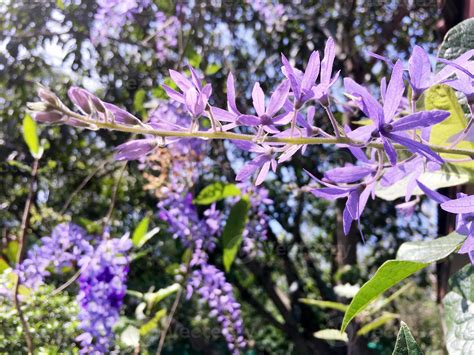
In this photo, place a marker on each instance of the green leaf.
(449, 175)
(138, 100)
(325, 304)
(152, 323)
(60, 4)
(234, 227)
(331, 334)
(216, 192)
(152, 298)
(430, 250)
(212, 69)
(11, 251)
(141, 234)
(458, 40)
(377, 323)
(30, 135)
(3, 265)
(389, 274)
(459, 312)
(130, 336)
(406, 344)
(442, 97)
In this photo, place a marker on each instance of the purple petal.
(248, 120)
(330, 193)
(195, 78)
(289, 73)
(436, 196)
(223, 115)
(278, 98)
(419, 68)
(231, 94)
(346, 221)
(191, 97)
(135, 149)
(258, 98)
(366, 102)
(174, 94)
(347, 174)
(362, 134)
(390, 151)
(419, 119)
(311, 72)
(327, 62)
(459, 205)
(415, 147)
(121, 116)
(49, 117)
(252, 166)
(467, 246)
(263, 173)
(180, 80)
(394, 92)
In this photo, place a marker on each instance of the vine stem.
(244, 137)
(21, 249)
(174, 307)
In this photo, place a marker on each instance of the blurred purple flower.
(262, 162)
(321, 91)
(135, 149)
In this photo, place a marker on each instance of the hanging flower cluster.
(103, 268)
(280, 126)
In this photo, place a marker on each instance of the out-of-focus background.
(121, 51)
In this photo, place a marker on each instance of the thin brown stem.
(21, 249)
(174, 307)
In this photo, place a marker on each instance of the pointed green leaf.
(234, 227)
(458, 40)
(30, 135)
(216, 192)
(324, 304)
(406, 344)
(3, 265)
(430, 250)
(459, 312)
(331, 334)
(389, 274)
(140, 235)
(11, 251)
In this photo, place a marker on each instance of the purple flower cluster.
(273, 15)
(112, 15)
(102, 289)
(166, 38)
(103, 265)
(210, 283)
(66, 245)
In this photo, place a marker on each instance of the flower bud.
(39, 106)
(48, 96)
(49, 117)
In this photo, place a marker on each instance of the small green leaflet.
(152, 323)
(216, 192)
(30, 135)
(406, 344)
(141, 234)
(234, 227)
(155, 297)
(331, 334)
(377, 323)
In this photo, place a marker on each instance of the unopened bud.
(49, 117)
(48, 96)
(39, 106)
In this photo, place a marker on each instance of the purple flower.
(357, 195)
(194, 95)
(232, 113)
(463, 207)
(421, 72)
(135, 149)
(302, 83)
(262, 162)
(166, 38)
(321, 91)
(266, 115)
(384, 127)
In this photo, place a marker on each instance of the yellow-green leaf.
(442, 97)
(30, 135)
(377, 323)
(331, 334)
